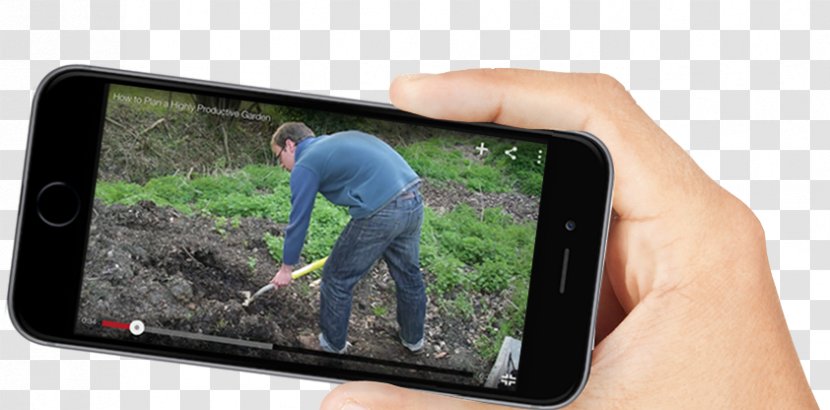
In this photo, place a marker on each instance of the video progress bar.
(209, 338)
(137, 328)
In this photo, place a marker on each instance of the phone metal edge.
(606, 226)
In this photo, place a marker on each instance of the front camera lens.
(570, 226)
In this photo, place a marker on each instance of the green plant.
(251, 263)
(380, 310)
(220, 224)
(124, 193)
(476, 252)
(493, 275)
(274, 244)
(265, 177)
(451, 159)
(449, 274)
(509, 323)
(327, 222)
(174, 189)
(220, 185)
(463, 306)
(479, 252)
(239, 205)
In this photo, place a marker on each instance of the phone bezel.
(71, 101)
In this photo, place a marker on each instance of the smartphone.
(461, 258)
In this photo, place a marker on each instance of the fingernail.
(352, 405)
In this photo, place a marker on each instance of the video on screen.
(287, 233)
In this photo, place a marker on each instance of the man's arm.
(304, 185)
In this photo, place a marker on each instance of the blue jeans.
(394, 234)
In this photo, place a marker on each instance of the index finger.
(652, 172)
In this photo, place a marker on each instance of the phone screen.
(415, 244)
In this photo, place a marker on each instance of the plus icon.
(482, 149)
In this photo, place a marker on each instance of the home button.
(58, 204)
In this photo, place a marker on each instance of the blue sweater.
(349, 168)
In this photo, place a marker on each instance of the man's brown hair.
(294, 131)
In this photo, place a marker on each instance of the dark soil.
(185, 273)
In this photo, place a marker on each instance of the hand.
(283, 277)
(689, 314)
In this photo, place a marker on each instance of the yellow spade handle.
(311, 267)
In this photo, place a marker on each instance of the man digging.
(357, 170)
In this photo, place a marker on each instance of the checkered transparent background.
(744, 86)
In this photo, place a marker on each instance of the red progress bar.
(116, 325)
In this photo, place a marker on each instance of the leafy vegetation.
(380, 310)
(487, 253)
(451, 158)
(274, 244)
(327, 221)
(469, 251)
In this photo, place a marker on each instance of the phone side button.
(58, 204)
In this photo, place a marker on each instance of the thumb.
(652, 173)
(379, 396)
